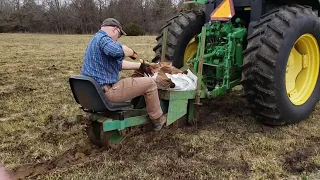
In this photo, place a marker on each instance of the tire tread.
(259, 67)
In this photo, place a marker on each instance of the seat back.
(89, 94)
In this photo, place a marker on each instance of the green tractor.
(270, 47)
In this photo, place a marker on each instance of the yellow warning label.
(225, 11)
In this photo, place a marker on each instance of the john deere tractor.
(270, 47)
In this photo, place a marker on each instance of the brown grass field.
(41, 139)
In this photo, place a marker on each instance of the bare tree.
(83, 16)
(33, 16)
(86, 13)
(6, 11)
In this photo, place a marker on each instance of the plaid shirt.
(103, 59)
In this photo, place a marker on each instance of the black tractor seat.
(89, 94)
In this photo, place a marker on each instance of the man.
(103, 59)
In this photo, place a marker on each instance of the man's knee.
(153, 84)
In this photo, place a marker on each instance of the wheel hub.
(302, 69)
(191, 50)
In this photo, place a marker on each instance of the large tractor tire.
(281, 65)
(181, 42)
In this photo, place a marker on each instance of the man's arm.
(127, 65)
(127, 51)
(116, 49)
(112, 48)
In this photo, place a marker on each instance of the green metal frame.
(203, 2)
(173, 103)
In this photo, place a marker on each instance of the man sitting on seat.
(103, 60)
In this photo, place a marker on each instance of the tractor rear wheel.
(93, 132)
(281, 65)
(111, 139)
(98, 137)
(182, 40)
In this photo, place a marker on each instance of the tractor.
(270, 48)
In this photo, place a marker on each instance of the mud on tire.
(181, 29)
(265, 61)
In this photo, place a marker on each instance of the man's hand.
(146, 69)
(134, 56)
(128, 52)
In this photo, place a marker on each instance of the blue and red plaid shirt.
(103, 59)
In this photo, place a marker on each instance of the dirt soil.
(40, 137)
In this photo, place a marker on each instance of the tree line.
(138, 17)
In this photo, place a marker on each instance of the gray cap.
(113, 22)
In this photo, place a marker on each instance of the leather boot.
(158, 123)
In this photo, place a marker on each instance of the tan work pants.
(129, 88)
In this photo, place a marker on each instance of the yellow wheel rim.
(302, 69)
(191, 49)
